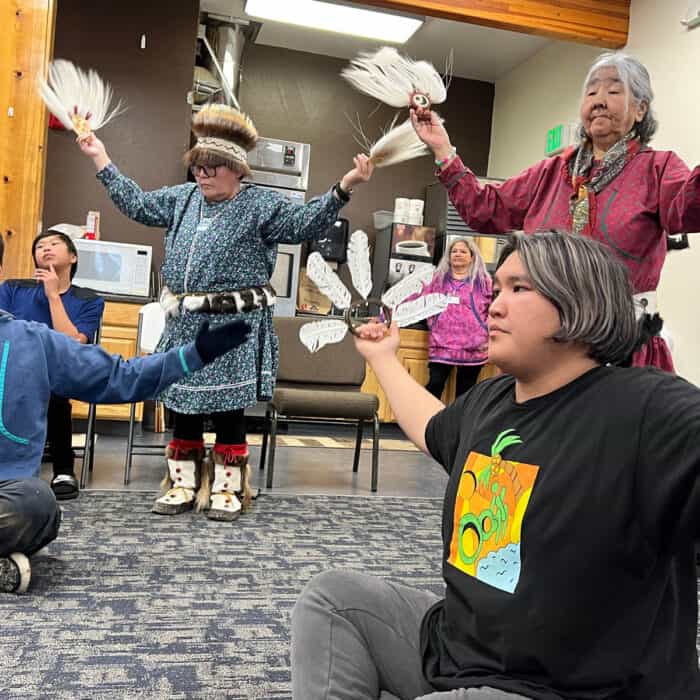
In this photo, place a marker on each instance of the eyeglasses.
(204, 170)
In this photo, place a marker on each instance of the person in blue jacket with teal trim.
(36, 361)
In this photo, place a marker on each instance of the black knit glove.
(218, 341)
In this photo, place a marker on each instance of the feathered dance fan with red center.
(399, 82)
(396, 80)
(79, 100)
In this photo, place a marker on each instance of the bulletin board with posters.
(309, 299)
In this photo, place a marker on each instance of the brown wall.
(289, 94)
(148, 140)
(301, 97)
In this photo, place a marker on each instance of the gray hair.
(589, 287)
(636, 82)
(477, 267)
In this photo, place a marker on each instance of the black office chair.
(326, 390)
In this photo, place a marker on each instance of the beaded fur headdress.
(224, 137)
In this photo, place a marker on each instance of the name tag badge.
(203, 225)
(452, 300)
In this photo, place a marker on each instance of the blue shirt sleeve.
(88, 373)
(88, 320)
(6, 297)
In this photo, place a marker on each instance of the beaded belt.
(236, 302)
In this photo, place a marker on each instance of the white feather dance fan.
(79, 100)
(400, 143)
(396, 80)
(400, 82)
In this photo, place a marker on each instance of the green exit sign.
(557, 139)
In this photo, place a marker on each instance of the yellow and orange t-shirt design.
(492, 497)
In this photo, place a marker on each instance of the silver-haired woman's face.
(608, 111)
(460, 255)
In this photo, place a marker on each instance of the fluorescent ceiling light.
(336, 18)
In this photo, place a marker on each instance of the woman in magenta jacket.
(458, 335)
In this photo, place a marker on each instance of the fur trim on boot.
(230, 476)
(206, 477)
(182, 477)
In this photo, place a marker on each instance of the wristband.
(343, 196)
(442, 163)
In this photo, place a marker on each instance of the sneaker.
(15, 573)
(65, 487)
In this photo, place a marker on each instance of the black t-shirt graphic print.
(492, 497)
(569, 524)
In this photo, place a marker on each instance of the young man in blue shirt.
(35, 362)
(52, 299)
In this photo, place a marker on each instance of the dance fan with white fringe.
(79, 100)
(399, 143)
(396, 80)
(399, 82)
(317, 334)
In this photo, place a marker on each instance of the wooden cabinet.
(413, 355)
(119, 327)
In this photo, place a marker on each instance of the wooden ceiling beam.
(597, 22)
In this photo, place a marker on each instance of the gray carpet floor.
(126, 604)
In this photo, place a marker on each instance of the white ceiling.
(480, 53)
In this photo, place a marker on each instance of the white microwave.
(114, 268)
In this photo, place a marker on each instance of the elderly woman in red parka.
(612, 187)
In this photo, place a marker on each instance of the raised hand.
(431, 132)
(374, 340)
(49, 279)
(362, 172)
(93, 147)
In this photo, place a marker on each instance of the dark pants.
(59, 435)
(229, 426)
(440, 373)
(29, 516)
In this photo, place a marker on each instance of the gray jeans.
(356, 637)
(29, 516)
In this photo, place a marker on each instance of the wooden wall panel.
(25, 51)
(148, 139)
(597, 22)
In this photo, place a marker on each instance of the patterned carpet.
(126, 604)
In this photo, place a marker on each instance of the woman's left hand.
(362, 172)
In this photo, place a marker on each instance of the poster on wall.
(310, 300)
(413, 241)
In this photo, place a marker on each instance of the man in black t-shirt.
(569, 519)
